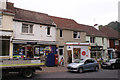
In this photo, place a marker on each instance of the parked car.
(112, 63)
(83, 65)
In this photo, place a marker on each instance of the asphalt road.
(103, 73)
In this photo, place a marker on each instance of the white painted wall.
(39, 33)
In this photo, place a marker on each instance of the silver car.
(83, 65)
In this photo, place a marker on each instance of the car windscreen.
(79, 61)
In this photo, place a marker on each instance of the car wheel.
(80, 70)
(28, 73)
(113, 66)
(96, 68)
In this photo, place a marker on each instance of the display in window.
(19, 51)
(76, 53)
(41, 51)
(37, 51)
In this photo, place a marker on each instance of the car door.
(87, 65)
(92, 64)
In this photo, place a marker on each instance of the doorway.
(29, 52)
(69, 53)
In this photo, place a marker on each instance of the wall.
(68, 37)
(7, 22)
(39, 33)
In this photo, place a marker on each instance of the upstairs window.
(103, 40)
(61, 33)
(92, 39)
(0, 20)
(76, 34)
(48, 30)
(26, 28)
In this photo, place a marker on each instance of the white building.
(34, 34)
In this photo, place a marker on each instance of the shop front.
(97, 52)
(30, 49)
(77, 51)
(5, 43)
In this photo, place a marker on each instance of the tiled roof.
(65, 23)
(31, 16)
(91, 31)
(111, 33)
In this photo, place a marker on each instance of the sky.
(87, 12)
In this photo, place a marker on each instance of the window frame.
(29, 27)
(61, 33)
(48, 31)
(93, 39)
(77, 33)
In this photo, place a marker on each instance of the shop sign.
(33, 43)
(83, 53)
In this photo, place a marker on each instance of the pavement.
(53, 69)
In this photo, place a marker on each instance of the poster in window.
(37, 51)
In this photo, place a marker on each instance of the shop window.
(92, 39)
(76, 52)
(26, 28)
(61, 33)
(38, 51)
(18, 51)
(48, 30)
(116, 42)
(5, 47)
(76, 34)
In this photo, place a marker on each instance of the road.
(102, 73)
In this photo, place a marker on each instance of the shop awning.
(33, 42)
(76, 43)
(6, 32)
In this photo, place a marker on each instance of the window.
(5, 47)
(76, 34)
(48, 30)
(0, 20)
(103, 40)
(92, 39)
(116, 42)
(26, 28)
(61, 33)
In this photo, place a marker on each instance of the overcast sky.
(86, 12)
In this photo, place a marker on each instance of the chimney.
(96, 26)
(3, 4)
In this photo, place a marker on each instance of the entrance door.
(69, 53)
(61, 53)
(29, 52)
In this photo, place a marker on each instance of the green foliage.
(114, 25)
